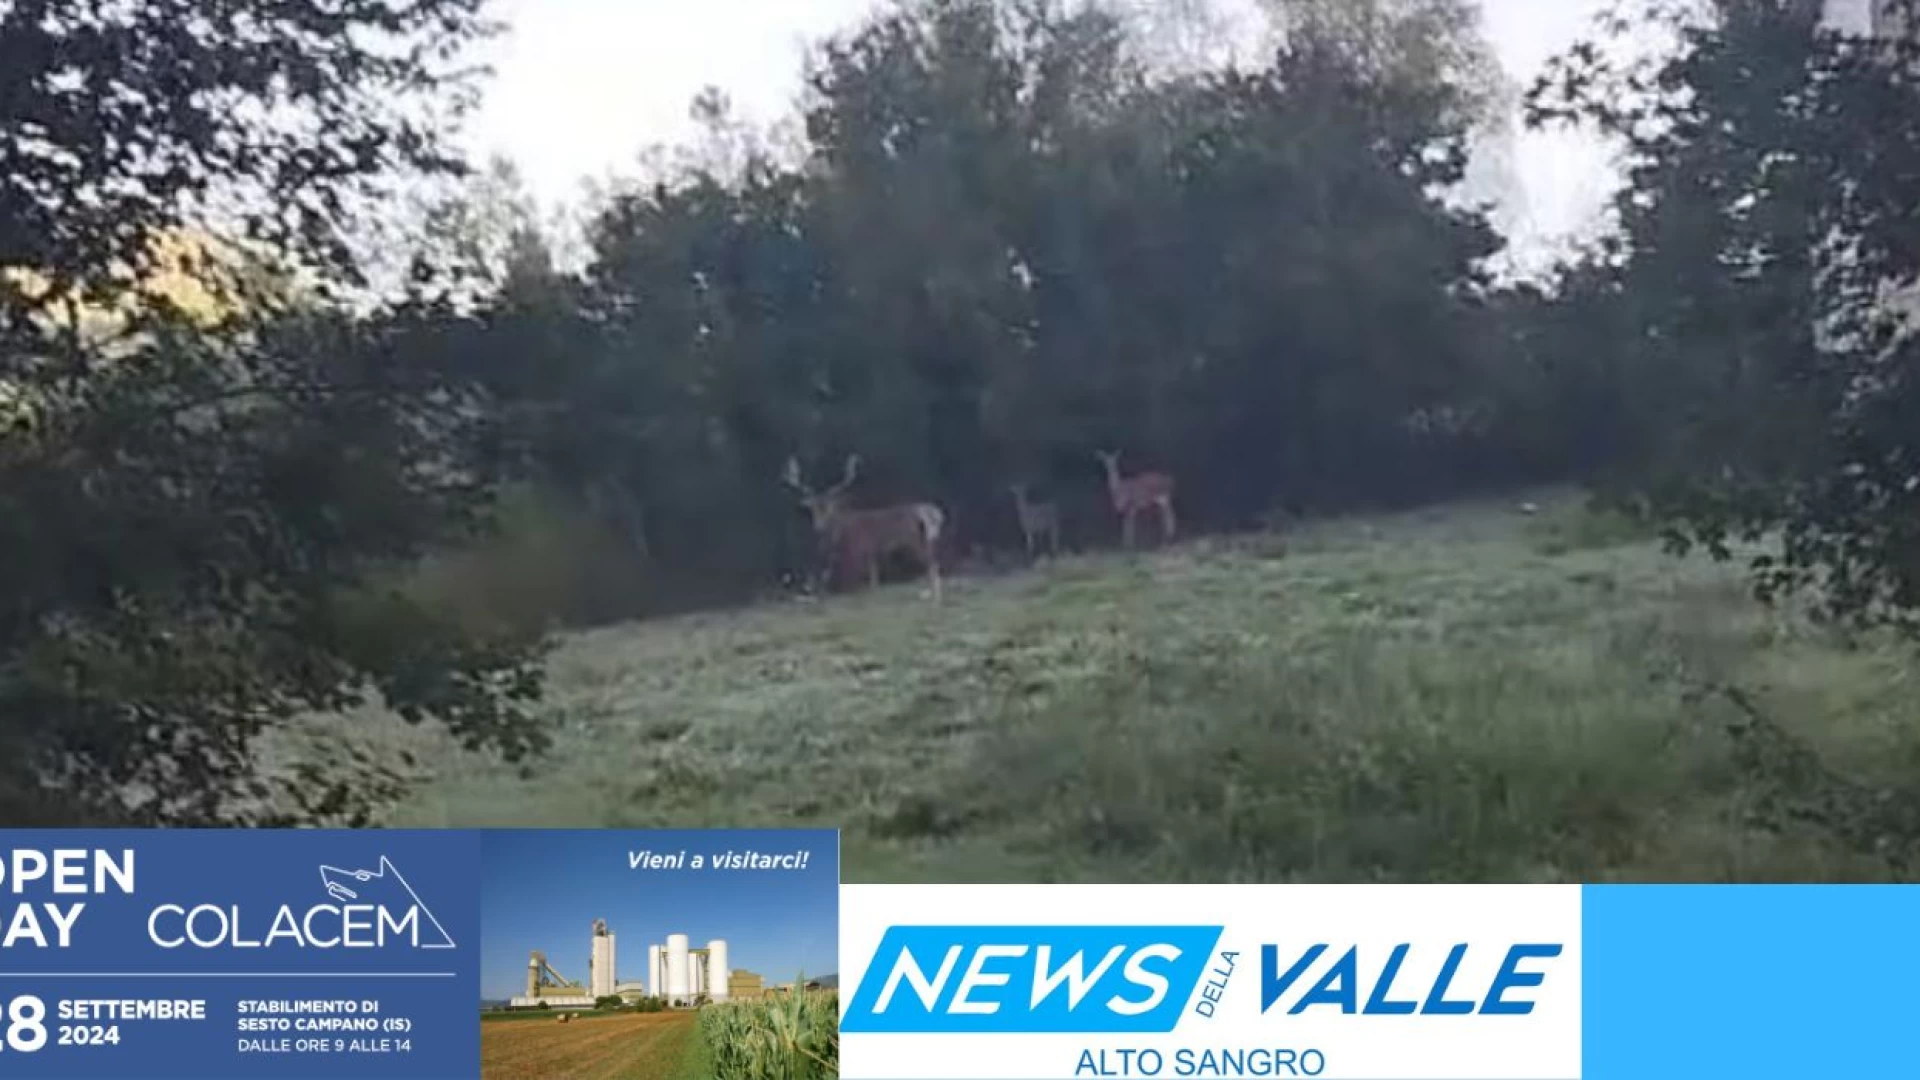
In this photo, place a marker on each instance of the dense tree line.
(1008, 244)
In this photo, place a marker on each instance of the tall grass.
(1468, 693)
(793, 1037)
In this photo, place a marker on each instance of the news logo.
(1032, 979)
(1381, 983)
(1340, 984)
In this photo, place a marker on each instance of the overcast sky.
(581, 86)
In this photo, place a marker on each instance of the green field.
(1468, 693)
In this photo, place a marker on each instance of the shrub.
(547, 564)
(1589, 526)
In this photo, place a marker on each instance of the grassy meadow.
(1464, 693)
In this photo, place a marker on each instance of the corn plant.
(792, 1037)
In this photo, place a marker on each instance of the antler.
(851, 473)
(792, 476)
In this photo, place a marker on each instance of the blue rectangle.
(298, 954)
(1749, 981)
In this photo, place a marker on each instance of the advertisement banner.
(429, 955)
(720, 955)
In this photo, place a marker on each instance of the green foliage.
(353, 88)
(1434, 47)
(545, 563)
(181, 534)
(1768, 380)
(189, 511)
(793, 1036)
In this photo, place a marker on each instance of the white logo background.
(1543, 1045)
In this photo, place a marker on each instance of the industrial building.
(682, 974)
(676, 973)
(545, 985)
(600, 966)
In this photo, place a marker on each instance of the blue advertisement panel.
(430, 955)
(239, 954)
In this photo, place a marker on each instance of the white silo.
(656, 980)
(718, 973)
(696, 975)
(600, 980)
(677, 967)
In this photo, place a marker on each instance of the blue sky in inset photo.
(543, 889)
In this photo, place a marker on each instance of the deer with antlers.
(866, 537)
(1038, 521)
(1132, 494)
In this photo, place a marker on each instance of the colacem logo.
(1030, 979)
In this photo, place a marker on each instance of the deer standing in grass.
(865, 537)
(1038, 521)
(1133, 494)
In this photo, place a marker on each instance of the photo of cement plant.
(644, 955)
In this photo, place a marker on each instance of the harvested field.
(644, 1046)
